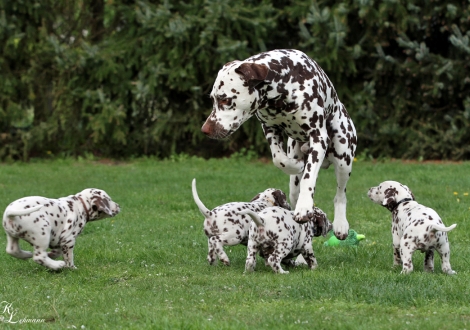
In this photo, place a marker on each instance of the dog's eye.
(224, 101)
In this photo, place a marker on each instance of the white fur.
(53, 223)
(414, 227)
(280, 239)
(225, 225)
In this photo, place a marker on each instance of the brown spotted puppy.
(53, 223)
(290, 95)
(225, 225)
(280, 239)
(414, 227)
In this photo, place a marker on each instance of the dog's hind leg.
(429, 261)
(444, 253)
(275, 262)
(407, 247)
(13, 248)
(40, 255)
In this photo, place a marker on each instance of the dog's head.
(321, 223)
(234, 97)
(272, 197)
(98, 204)
(389, 194)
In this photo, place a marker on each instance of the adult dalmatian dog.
(290, 94)
(53, 223)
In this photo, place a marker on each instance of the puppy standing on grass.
(225, 225)
(53, 223)
(279, 238)
(414, 227)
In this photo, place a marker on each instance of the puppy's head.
(389, 193)
(272, 197)
(321, 223)
(99, 204)
(234, 97)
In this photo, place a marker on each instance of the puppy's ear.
(390, 197)
(280, 199)
(410, 192)
(255, 198)
(321, 223)
(101, 204)
(253, 73)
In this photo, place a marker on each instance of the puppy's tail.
(254, 216)
(443, 228)
(204, 210)
(10, 212)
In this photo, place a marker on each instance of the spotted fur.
(225, 225)
(280, 239)
(414, 227)
(53, 223)
(289, 94)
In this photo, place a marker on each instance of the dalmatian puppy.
(279, 239)
(53, 223)
(225, 225)
(414, 227)
(289, 94)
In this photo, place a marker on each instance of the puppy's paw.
(56, 265)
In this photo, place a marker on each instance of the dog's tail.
(254, 216)
(443, 228)
(10, 212)
(202, 208)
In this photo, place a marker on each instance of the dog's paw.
(300, 261)
(211, 260)
(303, 215)
(341, 229)
(304, 210)
(56, 265)
(290, 166)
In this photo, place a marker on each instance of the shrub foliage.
(123, 78)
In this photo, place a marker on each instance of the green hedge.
(122, 78)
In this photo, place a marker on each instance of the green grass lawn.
(147, 268)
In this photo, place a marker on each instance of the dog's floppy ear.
(255, 198)
(253, 73)
(390, 196)
(321, 223)
(280, 199)
(101, 204)
(409, 191)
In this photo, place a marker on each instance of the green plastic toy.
(353, 239)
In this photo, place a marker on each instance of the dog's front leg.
(429, 261)
(290, 166)
(252, 250)
(396, 251)
(67, 251)
(294, 152)
(316, 153)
